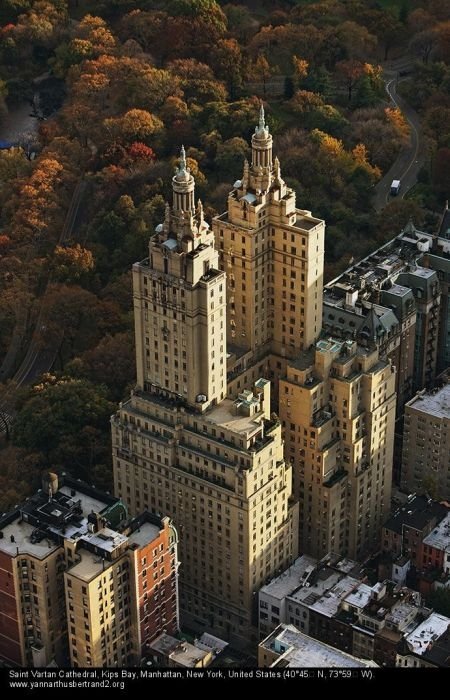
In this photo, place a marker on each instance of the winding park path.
(411, 158)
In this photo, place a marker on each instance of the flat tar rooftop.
(436, 404)
(223, 416)
(329, 602)
(301, 651)
(320, 586)
(427, 632)
(16, 540)
(286, 583)
(89, 566)
(440, 536)
(18, 533)
(417, 513)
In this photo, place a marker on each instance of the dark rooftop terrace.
(417, 513)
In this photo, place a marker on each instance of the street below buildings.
(411, 158)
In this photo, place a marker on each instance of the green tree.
(11, 9)
(19, 475)
(241, 23)
(207, 11)
(75, 320)
(439, 601)
(230, 155)
(111, 362)
(228, 64)
(67, 422)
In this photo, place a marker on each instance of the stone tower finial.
(200, 211)
(262, 120)
(262, 130)
(276, 167)
(182, 165)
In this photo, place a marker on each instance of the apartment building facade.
(215, 463)
(273, 255)
(337, 404)
(81, 585)
(426, 443)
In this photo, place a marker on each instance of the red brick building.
(405, 531)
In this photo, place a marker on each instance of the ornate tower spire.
(182, 166)
(262, 120)
(261, 143)
(183, 185)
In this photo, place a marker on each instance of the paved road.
(17, 122)
(40, 359)
(410, 159)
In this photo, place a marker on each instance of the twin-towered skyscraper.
(219, 313)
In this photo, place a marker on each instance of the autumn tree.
(383, 131)
(197, 81)
(280, 43)
(110, 86)
(423, 43)
(349, 72)
(358, 42)
(134, 125)
(90, 38)
(74, 320)
(261, 71)
(42, 26)
(138, 156)
(186, 28)
(385, 26)
(70, 264)
(152, 31)
(300, 69)
(41, 208)
(227, 61)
